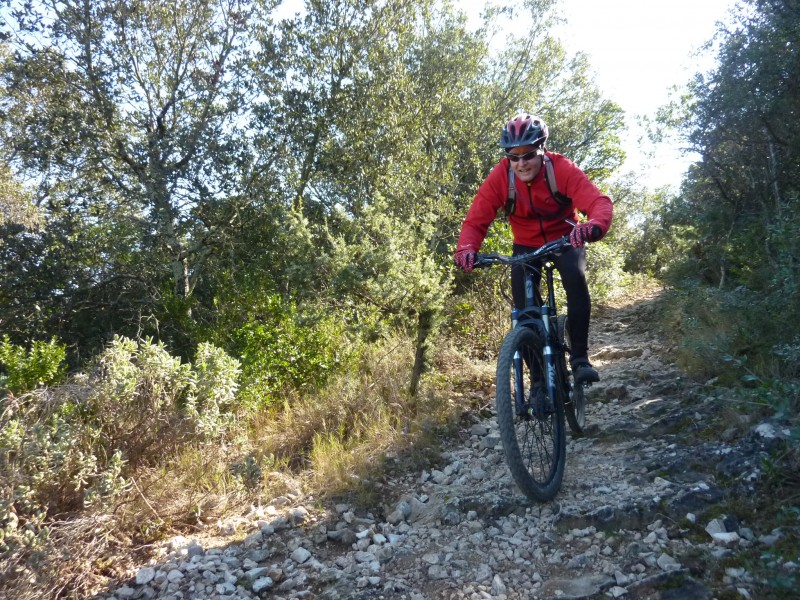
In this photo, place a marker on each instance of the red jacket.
(538, 218)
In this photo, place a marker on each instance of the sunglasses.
(526, 156)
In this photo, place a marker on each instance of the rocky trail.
(640, 514)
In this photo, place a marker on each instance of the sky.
(639, 50)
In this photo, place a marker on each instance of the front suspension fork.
(549, 356)
(550, 372)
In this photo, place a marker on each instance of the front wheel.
(531, 423)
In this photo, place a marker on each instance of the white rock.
(766, 430)
(255, 574)
(145, 575)
(437, 572)
(300, 555)
(715, 526)
(736, 573)
(126, 592)
(226, 588)
(725, 538)
(174, 575)
(299, 514)
(667, 563)
(364, 557)
(483, 573)
(498, 587)
(177, 542)
(253, 540)
(263, 583)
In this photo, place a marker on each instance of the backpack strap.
(550, 177)
(511, 200)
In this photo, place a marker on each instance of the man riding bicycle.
(540, 211)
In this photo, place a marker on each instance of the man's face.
(529, 163)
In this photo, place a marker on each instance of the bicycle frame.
(538, 313)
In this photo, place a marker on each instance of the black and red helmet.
(524, 130)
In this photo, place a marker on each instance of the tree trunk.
(424, 328)
(773, 176)
(180, 276)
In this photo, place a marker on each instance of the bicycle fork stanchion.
(519, 387)
(549, 320)
(549, 358)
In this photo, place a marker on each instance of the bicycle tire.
(534, 446)
(575, 404)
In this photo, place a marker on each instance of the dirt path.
(638, 515)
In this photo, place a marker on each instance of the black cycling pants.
(572, 267)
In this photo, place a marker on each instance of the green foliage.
(728, 242)
(214, 385)
(157, 401)
(738, 209)
(280, 351)
(17, 206)
(24, 370)
(128, 117)
(284, 191)
(732, 334)
(604, 270)
(75, 445)
(51, 459)
(195, 205)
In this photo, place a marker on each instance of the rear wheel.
(531, 424)
(575, 404)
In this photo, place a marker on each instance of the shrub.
(734, 334)
(604, 271)
(280, 352)
(214, 385)
(134, 394)
(23, 370)
(75, 445)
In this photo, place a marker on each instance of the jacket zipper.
(536, 212)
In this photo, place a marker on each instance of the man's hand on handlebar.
(585, 233)
(464, 258)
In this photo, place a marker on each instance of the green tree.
(128, 116)
(735, 220)
(743, 194)
(16, 207)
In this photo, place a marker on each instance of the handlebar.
(550, 249)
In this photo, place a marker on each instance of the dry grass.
(328, 444)
(336, 436)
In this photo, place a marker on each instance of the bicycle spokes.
(531, 421)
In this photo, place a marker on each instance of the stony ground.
(640, 515)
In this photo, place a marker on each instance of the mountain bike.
(535, 389)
